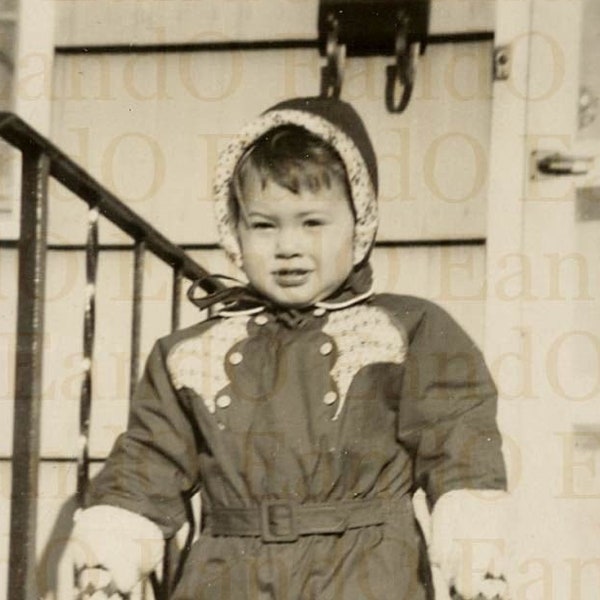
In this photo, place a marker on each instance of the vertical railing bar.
(176, 299)
(136, 322)
(89, 326)
(28, 377)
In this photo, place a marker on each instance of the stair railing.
(41, 160)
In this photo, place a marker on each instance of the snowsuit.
(365, 402)
(307, 433)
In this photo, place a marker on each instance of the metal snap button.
(235, 358)
(329, 398)
(223, 401)
(326, 348)
(261, 320)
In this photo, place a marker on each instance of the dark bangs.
(293, 158)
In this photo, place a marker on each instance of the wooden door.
(543, 314)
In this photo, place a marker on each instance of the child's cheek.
(257, 245)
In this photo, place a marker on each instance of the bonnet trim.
(362, 192)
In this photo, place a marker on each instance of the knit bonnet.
(336, 123)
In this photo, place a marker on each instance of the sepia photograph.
(300, 299)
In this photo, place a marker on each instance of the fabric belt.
(286, 521)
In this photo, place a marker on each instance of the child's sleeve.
(447, 414)
(154, 463)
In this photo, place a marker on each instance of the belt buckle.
(278, 521)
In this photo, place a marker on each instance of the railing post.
(176, 299)
(89, 332)
(22, 583)
(37, 166)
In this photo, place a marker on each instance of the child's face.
(296, 248)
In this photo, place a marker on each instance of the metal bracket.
(332, 74)
(403, 72)
(396, 28)
(546, 164)
(502, 62)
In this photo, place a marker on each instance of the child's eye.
(313, 223)
(261, 225)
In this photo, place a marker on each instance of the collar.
(345, 303)
(324, 305)
(242, 299)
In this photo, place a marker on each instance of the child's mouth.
(291, 277)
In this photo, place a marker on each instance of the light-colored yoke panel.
(149, 127)
(104, 22)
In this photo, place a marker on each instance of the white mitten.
(113, 547)
(469, 543)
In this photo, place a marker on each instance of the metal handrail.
(41, 160)
(65, 170)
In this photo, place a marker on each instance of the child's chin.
(291, 300)
(295, 303)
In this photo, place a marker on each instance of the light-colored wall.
(149, 126)
(130, 21)
(26, 53)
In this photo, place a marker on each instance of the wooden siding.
(149, 126)
(125, 22)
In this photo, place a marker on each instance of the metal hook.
(404, 71)
(332, 74)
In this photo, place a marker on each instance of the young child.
(307, 409)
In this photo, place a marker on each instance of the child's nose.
(288, 243)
